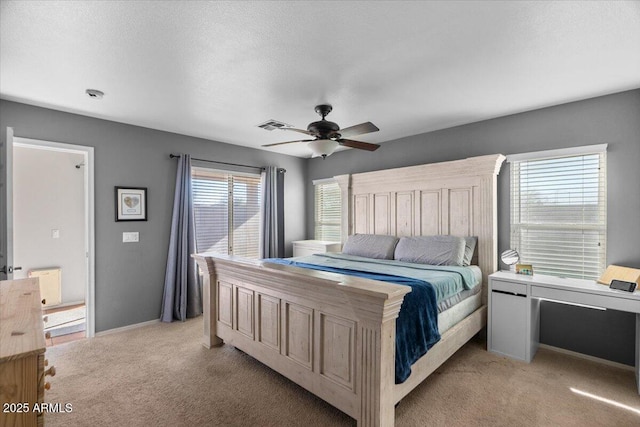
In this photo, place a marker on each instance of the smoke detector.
(94, 93)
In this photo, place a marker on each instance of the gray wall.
(52, 198)
(612, 119)
(129, 277)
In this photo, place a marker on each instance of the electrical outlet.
(131, 236)
(55, 234)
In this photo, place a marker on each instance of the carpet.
(161, 375)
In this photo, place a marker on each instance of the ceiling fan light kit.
(323, 147)
(328, 135)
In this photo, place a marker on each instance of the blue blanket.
(417, 324)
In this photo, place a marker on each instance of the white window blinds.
(328, 211)
(227, 212)
(559, 213)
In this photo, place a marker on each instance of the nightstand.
(310, 247)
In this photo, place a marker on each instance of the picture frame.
(525, 269)
(131, 203)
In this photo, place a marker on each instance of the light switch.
(131, 236)
(55, 234)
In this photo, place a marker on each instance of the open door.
(6, 213)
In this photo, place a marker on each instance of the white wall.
(48, 194)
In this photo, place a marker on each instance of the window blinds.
(558, 214)
(227, 212)
(328, 211)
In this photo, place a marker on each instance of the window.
(559, 210)
(328, 210)
(226, 208)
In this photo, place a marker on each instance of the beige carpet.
(161, 375)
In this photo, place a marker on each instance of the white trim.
(89, 208)
(204, 165)
(561, 152)
(127, 328)
(66, 304)
(587, 357)
(8, 184)
(324, 181)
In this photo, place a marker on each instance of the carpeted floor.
(161, 375)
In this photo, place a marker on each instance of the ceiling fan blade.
(358, 144)
(360, 129)
(299, 130)
(287, 142)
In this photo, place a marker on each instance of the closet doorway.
(53, 232)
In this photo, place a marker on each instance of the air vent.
(273, 124)
(94, 93)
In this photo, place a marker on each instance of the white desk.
(514, 309)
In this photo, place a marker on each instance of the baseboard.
(126, 328)
(587, 357)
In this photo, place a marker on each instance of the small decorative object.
(526, 269)
(510, 257)
(626, 274)
(131, 204)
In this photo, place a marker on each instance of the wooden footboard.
(333, 335)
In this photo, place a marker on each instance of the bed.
(335, 334)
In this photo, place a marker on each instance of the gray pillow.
(432, 250)
(375, 246)
(469, 249)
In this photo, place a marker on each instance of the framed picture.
(526, 269)
(131, 204)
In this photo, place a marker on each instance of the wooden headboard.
(457, 197)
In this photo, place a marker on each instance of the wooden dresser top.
(21, 325)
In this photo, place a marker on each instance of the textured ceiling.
(217, 69)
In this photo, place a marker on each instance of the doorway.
(53, 231)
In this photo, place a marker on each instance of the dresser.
(310, 247)
(22, 348)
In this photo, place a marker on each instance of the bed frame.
(332, 334)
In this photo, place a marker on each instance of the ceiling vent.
(273, 124)
(94, 93)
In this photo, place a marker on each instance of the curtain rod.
(175, 156)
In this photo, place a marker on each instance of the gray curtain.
(182, 294)
(272, 239)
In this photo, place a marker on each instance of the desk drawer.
(596, 300)
(514, 288)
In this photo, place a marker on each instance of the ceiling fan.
(328, 135)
